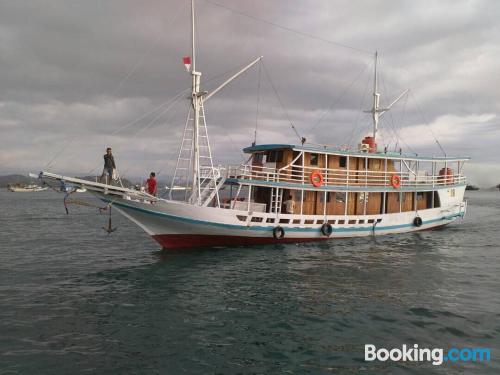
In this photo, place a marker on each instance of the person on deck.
(109, 167)
(290, 205)
(152, 185)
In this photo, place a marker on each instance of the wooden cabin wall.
(374, 204)
(340, 175)
(423, 199)
(321, 160)
(392, 203)
(310, 200)
(407, 202)
(287, 158)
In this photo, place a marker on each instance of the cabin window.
(331, 221)
(420, 196)
(274, 156)
(341, 221)
(296, 221)
(371, 221)
(340, 197)
(284, 221)
(241, 218)
(269, 220)
(352, 222)
(308, 221)
(361, 222)
(343, 162)
(256, 219)
(258, 158)
(314, 159)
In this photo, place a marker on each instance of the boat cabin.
(327, 181)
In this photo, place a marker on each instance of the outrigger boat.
(21, 188)
(335, 192)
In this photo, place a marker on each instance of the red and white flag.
(187, 62)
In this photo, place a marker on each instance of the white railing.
(341, 177)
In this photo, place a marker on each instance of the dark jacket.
(109, 162)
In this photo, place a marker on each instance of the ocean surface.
(75, 300)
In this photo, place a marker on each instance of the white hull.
(176, 225)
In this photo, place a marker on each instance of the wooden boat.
(289, 192)
(22, 188)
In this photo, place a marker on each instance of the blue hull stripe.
(260, 228)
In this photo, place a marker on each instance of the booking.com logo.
(412, 353)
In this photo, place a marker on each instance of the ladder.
(276, 200)
(183, 168)
(208, 175)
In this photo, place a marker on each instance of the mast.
(376, 100)
(194, 170)
(376, 111)
(195, 99)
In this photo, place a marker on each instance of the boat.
(22, 188)
(288, 192)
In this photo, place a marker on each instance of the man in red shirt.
(151, 181)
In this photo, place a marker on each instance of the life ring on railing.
(327, 229)
(417, 221)
(316, 178)
(278, 233)
(396, 181)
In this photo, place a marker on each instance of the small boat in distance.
(22, 188)
(288, 192)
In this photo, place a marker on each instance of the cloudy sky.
(77, 76)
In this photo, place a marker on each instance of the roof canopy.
(335, 151)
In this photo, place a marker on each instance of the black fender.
(417, 221)
(278, 233)
(327, 229)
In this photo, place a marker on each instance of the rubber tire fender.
(417, 221)
(327, 229)
(278, 233)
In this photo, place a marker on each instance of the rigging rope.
(302, 139)
(360, 111)
(286, 28)
(258, 103)
(336, 101)
(428, 126)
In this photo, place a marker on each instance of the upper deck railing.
(343, 177)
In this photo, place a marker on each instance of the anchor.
(110, 228)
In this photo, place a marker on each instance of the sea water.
(75, 300)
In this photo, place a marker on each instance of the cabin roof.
(335, 151)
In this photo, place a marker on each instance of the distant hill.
(16, 179)
(20, 179)
(471, 187)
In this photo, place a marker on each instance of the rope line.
(286, 28)
(336, 101)
(281, 103)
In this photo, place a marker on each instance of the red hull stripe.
(180, 241)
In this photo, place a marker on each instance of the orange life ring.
(316, 178)
(395, 181)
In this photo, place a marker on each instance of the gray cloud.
(72, 73)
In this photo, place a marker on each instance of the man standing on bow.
(109, 167)
(152, 185)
